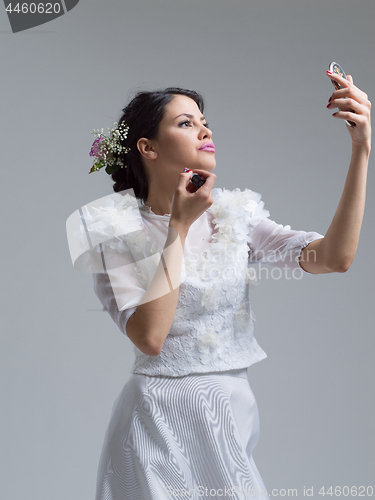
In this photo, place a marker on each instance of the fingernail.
(334, 114)
(329, 72)
(187, 170)
(328, 105)
(330, 99)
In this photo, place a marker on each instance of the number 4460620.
(345, 491)
(33, 8)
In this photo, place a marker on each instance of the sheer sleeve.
(278, 245)
(120, 287)
(108, 239)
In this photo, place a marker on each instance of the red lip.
(208, 146)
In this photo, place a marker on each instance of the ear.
(147, 149)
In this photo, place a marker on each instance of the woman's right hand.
(190, 202)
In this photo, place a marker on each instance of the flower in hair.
(107, 150)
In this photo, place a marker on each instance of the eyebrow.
(189, 116)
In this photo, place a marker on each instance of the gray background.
(261, 67)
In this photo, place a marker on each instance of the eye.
(190, 123)
(185, 122)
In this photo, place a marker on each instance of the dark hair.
(143, 115)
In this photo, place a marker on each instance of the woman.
(176, 278)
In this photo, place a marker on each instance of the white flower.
(207, 341)
(211, 298)
(242, 316)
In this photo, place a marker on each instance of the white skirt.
(182, 438)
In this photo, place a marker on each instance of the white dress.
(186, 423)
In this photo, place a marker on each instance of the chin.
(206, 168)
(209, 166)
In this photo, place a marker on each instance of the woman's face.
(182, 132)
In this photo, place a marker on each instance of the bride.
(176, 275)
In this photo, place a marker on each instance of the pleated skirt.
(182, 438)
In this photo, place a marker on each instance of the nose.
(205, 133)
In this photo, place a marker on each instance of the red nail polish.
(329, 72)
(328, 105)
(187, 170)
(334, 114)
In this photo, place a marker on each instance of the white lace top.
(212, 328)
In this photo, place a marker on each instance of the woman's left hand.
(355, 108)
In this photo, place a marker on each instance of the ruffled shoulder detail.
(108, 220)
(118, 224)
(116, 219)
(114, 222)
(231, 203)
(236, 211)
(234, 214)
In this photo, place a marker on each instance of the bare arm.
(335, 252)
(148, 326)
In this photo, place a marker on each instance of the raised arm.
(149, 325)
(335, 252)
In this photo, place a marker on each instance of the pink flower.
(95, 147)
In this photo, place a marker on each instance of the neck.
(158, 206)
(160, 193)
